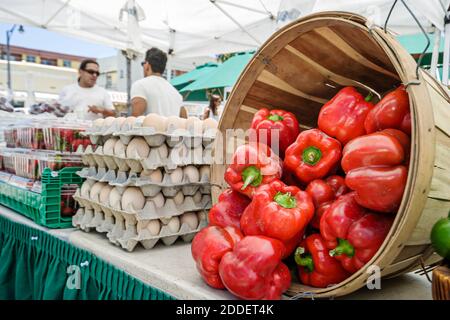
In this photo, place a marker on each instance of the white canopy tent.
(184, 28)
(202, 28)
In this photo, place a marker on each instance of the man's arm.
(138, 106)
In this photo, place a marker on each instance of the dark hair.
(84, 63)
(157, 59)
(212, 106)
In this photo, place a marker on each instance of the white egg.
(205, 173)
(108, 147)
(128, 123)
(179, 198)
(209, 124)
(137, 148)
(154, 226)
(155, 176)
(174, 224)
(176, 176)
(139, 121)
(133, 199)
(158, 200)
(192, 174)
(96, 189)
(155, 121)
(194, 126)
(163, 151)
(197, 197)
(115, 199)
(108, 122)
(118, 122)
(98, 123)
(85, 189)
(104, 194)
(191, 219)
(202, 215)
(176, 125)
(119, 148)
(141, 225)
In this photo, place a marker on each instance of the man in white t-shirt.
(87, 100)
(154, 94)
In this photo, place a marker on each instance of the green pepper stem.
(312, 155)
(275, 117)
(286, 200)
(369, 97)
(305, 260)
(251, 175)
(343, 247)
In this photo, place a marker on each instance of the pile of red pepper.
(328, 202)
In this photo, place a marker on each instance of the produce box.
(51, 207)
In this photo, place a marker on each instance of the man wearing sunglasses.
(87, 100)
(154, 94)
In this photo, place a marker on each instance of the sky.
(41, 39)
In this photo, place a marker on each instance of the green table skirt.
(36, 265)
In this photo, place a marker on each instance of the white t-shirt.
(78, 99)
(161, 97)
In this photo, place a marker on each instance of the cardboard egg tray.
(159, 157)
(128, 228)
(173, 136)
(149, 188)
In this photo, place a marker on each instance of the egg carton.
(157, 207)
(191, 137)
(129, 235)
(172, 137)
(150, 188)
(126, 231)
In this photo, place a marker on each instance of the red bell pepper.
(315, 222)
(343, 116)
(323, 193)
(315, 266)
(320, 192)
(228, 210)
(252, 165)
(406, 124)
(277, 211)
(378, 188)
(403, 138)
(353, 234)
(338, 185)
(265, 120)
(254, 271)
(376, 149)
(313, 155)
(373, 166)
(391, 112)
(208, 248)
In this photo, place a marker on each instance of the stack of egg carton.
(147, 179)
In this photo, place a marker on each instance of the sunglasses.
(143, 63)
(92, 72)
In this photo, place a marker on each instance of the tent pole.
(127, 57)
(235, 22)
(435, 56)
(446, 50)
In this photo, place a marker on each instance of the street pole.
(8, 58)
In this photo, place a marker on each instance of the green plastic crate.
(43, 208)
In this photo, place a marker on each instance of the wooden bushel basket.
(304, 65)
(441, 283)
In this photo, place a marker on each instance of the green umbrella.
(225, 75)
(186, 78)
(416, 43)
